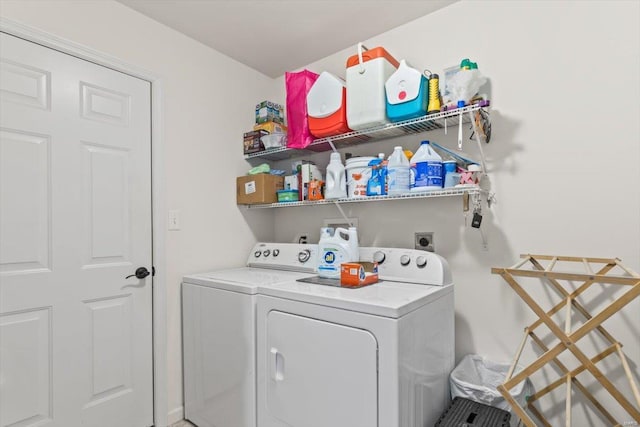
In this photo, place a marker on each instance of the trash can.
(477, 378)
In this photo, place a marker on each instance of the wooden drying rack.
(568, 338)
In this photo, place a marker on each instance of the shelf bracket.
(333, 147)
(477, 138)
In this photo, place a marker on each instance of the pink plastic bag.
(297, 86)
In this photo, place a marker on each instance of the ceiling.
(274, 36)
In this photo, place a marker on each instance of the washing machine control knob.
(421, 261)
(266, 252)
(257, 254)
(405, 260)
(379, 257)
(303, 256)
(276, 252)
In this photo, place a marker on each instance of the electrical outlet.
(302, 238)
(424, 241)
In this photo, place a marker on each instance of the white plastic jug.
(336, 184)
(335, 249)
(398, 173)
(426, 165)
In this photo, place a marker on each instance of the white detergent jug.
(427, 167)
(336, 185)
(398, 173)
(335, 249)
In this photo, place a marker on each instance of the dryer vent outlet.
(424, 241)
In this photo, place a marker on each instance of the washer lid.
(243, 279)
(388, 299)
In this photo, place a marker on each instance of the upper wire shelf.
(389, 130)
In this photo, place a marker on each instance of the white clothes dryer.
(219, 336)
(379, 355)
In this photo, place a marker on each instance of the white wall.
(208, 104)
(563, 161)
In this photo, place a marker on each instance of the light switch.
(174, 220)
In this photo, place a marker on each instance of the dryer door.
(319, 373)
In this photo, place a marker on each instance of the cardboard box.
(307, 172)
(271, 127)
(267, 111)
(252, 143)
(257, 189)
(357, 274)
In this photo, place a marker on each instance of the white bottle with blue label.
(426, 166)
(336, 248)
(398, 173)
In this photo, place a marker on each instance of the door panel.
(105, 105)
(111, 368)
(75, 218)
(25, 225)
(24, 84)
(26, 370)
(320, 373)
(107, 196)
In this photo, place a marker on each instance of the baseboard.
(175, 415)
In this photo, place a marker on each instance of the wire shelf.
(389, 130)
(472, 190)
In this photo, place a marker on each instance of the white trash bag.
(477, 379)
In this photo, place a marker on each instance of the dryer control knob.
(421, 261)
(405, 260)
(266, 252)
(276, 252)
(257, 254)
(303, 256)
(379, 257)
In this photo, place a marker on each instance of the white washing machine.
(373, 356)
(219, 332)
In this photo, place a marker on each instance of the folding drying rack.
(568, 339)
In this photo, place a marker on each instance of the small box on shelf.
(267, 111)
(258, 189)
(252, 142)
(271, 127)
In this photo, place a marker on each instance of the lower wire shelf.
(472, 190)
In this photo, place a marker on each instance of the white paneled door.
(75, 219)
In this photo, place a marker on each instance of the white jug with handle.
(335, 249)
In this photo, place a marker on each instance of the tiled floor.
(182, 423)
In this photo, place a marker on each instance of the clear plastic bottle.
(398, 173)
(336, 182)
